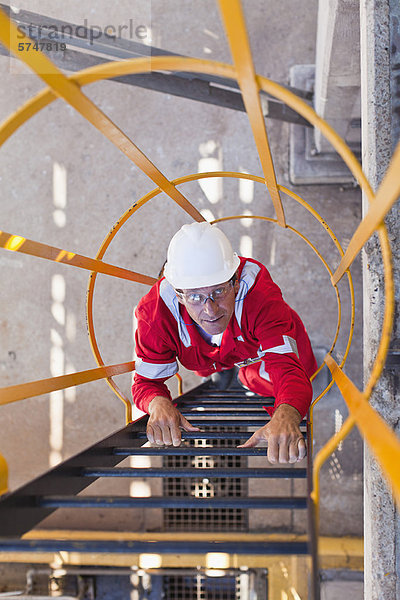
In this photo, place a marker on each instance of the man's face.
(214, 315)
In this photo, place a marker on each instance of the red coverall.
(263, 331)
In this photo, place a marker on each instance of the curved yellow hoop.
(194, 177)
(174, 63)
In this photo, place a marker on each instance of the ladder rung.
(256, 502)
(212, 404)
(226, 413)
(188, 451)
(211, 435)
(226, 399)
(228, 422)
(198, 435)
(234, 423)
(211, 473)
(228, 395)
(146, 547)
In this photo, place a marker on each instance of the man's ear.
(236, 286)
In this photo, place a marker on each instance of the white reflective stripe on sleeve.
(247, 279)
(155, 371)
(289, 345)
(168, 295)
(263, 373)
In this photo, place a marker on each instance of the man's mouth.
(213, 320)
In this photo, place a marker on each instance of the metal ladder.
(23, 509)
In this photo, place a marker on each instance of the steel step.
(228, 422)
(199, 412)
(210, 473)
(201, 435)
(209, 435)
(223, 399)
(257, 422)
(159, 547)
(209, 393)
(189, 451)
(222, 405)
(258, 502)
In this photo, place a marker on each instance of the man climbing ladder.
(213, 311)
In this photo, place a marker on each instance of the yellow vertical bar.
(324, 454)
(69, 91)
(240, 48)
(180, 384)
(381, 439)
(386, 196)
(3, 475)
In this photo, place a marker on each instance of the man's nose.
(210, 307)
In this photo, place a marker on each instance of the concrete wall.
(337, 70)
(380, 52)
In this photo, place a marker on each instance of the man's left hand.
(285, 440)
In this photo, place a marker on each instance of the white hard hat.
(200, 255)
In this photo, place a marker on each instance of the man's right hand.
(165, 421)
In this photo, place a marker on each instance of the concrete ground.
(64, 184)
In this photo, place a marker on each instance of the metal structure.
(23, 509)
(201, 87)
(59, 488)
(381, 439)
